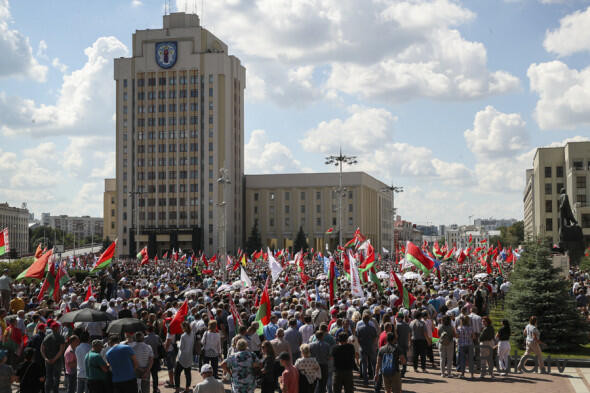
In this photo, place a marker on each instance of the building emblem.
(166, 54)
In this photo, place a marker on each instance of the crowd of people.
(308, 345)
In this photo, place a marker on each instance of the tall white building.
(180, 119)
(17, 221)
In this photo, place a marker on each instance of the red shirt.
(382, 339)
(290, 379)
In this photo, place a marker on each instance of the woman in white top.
(533, 339)
(211, 343)
(184, 360)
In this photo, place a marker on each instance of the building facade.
(17, 221)
(555, 168)
(280, 204)
(110, 209)
(81, 227)
(179, 121)
(491, 224)
(405, 231)
(529, 205)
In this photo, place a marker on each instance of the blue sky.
(446, 98)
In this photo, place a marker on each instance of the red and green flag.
(175, 326)
(415, 255)
(330, 231)
(4, 243)
(38, 268)
(105, 259)
(264, 310)
(375, 279)
(333, 280)
(405, 297)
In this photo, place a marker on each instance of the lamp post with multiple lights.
(393, 190)
(338, 161)
(223, 180)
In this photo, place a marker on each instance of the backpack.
(445, 339)
(389, 362)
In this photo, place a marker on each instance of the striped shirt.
(465, 335)
(143, 352)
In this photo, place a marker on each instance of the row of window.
(580, 199)
(576, 164)
(161, 94)
(318, 221)
(287, 195)
(171, 81)
(171, 175)
(318, 209)
(172, 147)
(168, 215)
(171, 134)
(580, 184)
(182, 120)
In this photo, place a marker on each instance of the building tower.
(180, 119)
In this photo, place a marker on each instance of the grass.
(497, 315)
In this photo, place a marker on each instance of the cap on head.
(206, 368)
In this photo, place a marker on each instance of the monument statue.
(571, 238)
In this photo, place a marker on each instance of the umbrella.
(86, 315)
(411, 276)
(237, 284)
(126, 325)
(224, 287)
(382, 275)
(193, 292)
(479, 276)
(322, 277)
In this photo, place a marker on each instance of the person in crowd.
(184, 361)
(419, 341)
(388, 368)
(447, 334)
(486, 341)
(533, 344)
(209, 383)
(71, 363)
(343, 354)
(309, 369)
(81, 350)
(123, 363)
(155, 343)
(96, 369)
(289, 379)
(241, 367)
(30, 373)
(503, 339)
(52, 350)
(465, 336)
(7, 374)
(145, 359)
(211, 344)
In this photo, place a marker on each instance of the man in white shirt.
(306, 330)
(81, 350)
(209, 384)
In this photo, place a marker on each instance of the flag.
(165, 255)
(234, 312)
(264, 310)
(49, 281)
(61, 277)
(244, 278)
(243, 261)
(4, 243)
(375, 279)
(332, 278)
(415, 255)
(355, 282)
(329, 231)
(89, 292)
(143, 256)
(175, 326)
(406, 298)
(106, 258)
(38, 252)
(38, 268)
(369, 260)
(275, 267)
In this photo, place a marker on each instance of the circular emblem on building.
(166, 54)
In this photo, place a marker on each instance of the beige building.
(80, 226)
(553, 169)
(17, 221)
(405, 232)
(529, 205)
(179, 120)
(282, 203)
(110, 209)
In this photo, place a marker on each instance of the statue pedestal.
(562, 263)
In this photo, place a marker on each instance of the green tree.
(585, 264)
(538, 289)
(513, 235)
(254, 241)
(300, 241)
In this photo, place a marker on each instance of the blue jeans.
(52, 375)
(465, 353)
(82, 385)
(367, 364)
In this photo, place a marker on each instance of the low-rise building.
(81, 227)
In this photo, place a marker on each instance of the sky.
(447, 99)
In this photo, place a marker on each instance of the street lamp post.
(223, 180)
(338, 161)
(134, 195)
(393, 189)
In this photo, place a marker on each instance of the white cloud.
(17, 58)
(564, 95)
(136, 3)
(368, 133)
(42, 50)
(390, 50)
(59, 65)
(85, 103)
(571, 36)
(265, 156)
(496, 134)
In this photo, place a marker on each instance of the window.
(124, 96)
(302, 195)
(318, 208)
(194, 187)
(350, 208)
(318, 195)
(141, 82)
(350, 221)
(333, 220)
(171, 188)
(112, 212)
(581, 199)
(318, 221)
(172, 202)
(548, 188)
(349, 194)
(255, 196)
(548, 206)
(151, 81)
(124, 216)
(271, 222)
(271, 196)
(547, 171)
(548, 224)
(559, 171)
(287, 195)
(558, 188)
(578, 165)
(580, 181)
(287, 209)
(585, 221)
(162, 202)
(302, 208)
(287, 221)
(255, 209)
